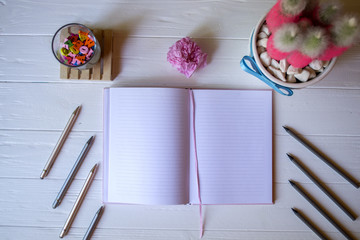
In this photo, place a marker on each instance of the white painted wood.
(149, 54)
(35, 105)
(330, 111)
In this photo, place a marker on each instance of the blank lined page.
(146, 132)
(234, 144)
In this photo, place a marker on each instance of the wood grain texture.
(35, 105)
(149, 54)
(97, 68)
(108, 49)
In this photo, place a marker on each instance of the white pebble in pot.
(262, 42)
(317, 65)
(311, 71)
(293, 70)
(284, 65)
(265, 59)
(277, 73)
(303, 76)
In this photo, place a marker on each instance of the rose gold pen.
(60, 142)
(78, 201)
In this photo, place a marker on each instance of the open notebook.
(150, 138)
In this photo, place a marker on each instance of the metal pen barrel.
(73, 172)
(60, 142)
(94, 223)
(78, 202)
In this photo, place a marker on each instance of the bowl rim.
(53, 39)
(256, 56)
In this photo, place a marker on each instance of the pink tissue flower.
(186, 56)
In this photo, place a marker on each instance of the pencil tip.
(55, 204)
(43, 174)
(94, 167)
(286, 128)
(91, 139)
(292, 182)
(290, 156)
(77, 110)
(62, 234)
(101, 209)
(294, 210)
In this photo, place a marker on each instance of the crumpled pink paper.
(186, 56)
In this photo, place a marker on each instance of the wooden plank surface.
(96, 71)
(35, 105)
(85, 74)
(107, 53)
(149, 54)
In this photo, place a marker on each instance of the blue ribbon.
(255, 71)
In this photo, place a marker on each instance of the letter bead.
(84, 49)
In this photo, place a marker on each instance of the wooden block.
(64, 72)
(96, 73)
(85, 74)
(74, 73)
(107, 57)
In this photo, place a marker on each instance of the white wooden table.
(35, 105)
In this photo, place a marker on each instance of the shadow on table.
(121, 32)
(204, 36)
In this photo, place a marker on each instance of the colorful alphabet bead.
(74, 50)
(77, 49)
(82, 36)
(89, 43)
(64, 51)
(84, 49)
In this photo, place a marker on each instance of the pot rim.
(256, 56)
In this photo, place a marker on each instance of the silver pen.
(60, 142)
(94, 223)
(78, 201)
(73, 172)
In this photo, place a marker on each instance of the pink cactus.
(285, 40)
(302, 31)
(332, 51)
(326, 11)
(299, 60)
(284, 11)
(315, 42)
(304, 23)
(345, 31)
(311, 6)
(273, 51)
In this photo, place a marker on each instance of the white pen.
(73, 172)
(78, 201)
(60, 142)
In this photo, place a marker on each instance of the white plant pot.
(253, 46)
